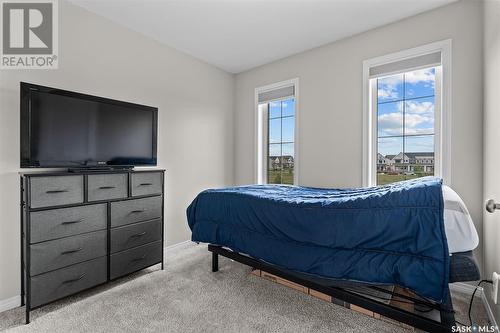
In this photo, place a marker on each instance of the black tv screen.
(66, 129)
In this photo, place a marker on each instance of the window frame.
(262, 131)
(442, 124)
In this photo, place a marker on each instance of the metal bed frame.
(447, 318)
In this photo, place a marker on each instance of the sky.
(409, 95)
(281, 127)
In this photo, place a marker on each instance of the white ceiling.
(237, 35)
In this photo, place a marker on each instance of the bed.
(416, 234)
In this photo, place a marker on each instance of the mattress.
(388, 235)
(459, 227)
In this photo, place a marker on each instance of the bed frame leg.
(215, 262)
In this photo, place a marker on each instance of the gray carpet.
(188, 297)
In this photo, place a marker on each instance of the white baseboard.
(174, 246)
(491, 316)
(177, 246)
(469, 289)
(10, 303)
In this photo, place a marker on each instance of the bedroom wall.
(330, 129)
(195, 102)
(491, 138)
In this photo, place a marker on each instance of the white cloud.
(388, 86)
(387, 93)
(392, 80)
(391, 124)
(419, 131)
(413, 120)
(419, 107)
(423, 75)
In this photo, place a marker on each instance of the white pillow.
(460, 231)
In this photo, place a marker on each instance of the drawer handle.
(106, 187)
(137, 211)
(72, 222)
(145, 184)
(140, 258)
(56, 191)
(74, 280)
(139, 235)
(72, 251)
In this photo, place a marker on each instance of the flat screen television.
(61, 128)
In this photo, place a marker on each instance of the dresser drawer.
(136, 234)
(131, 211)
(62, 222)
(63, 252)
(107, 186)
(56, 191)
(63, 282)
(135, 259)
(145, 183)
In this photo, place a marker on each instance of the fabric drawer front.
(131, 211)
(56, 191)
(107, 186)
(63, 282)
(63, 222)
(63, 252)
(136, 234)
(145, 183)
(135, 259)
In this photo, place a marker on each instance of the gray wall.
(491, 140)
(195, 102)
(331, 98)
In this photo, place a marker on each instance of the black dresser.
(80, 230)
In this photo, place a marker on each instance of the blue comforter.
(391, 234)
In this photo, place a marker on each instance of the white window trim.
(260, 141)
(442, 120)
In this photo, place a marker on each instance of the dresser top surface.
(93, 172)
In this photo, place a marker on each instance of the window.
(276, 133)
(405, 124)
(406, 117)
